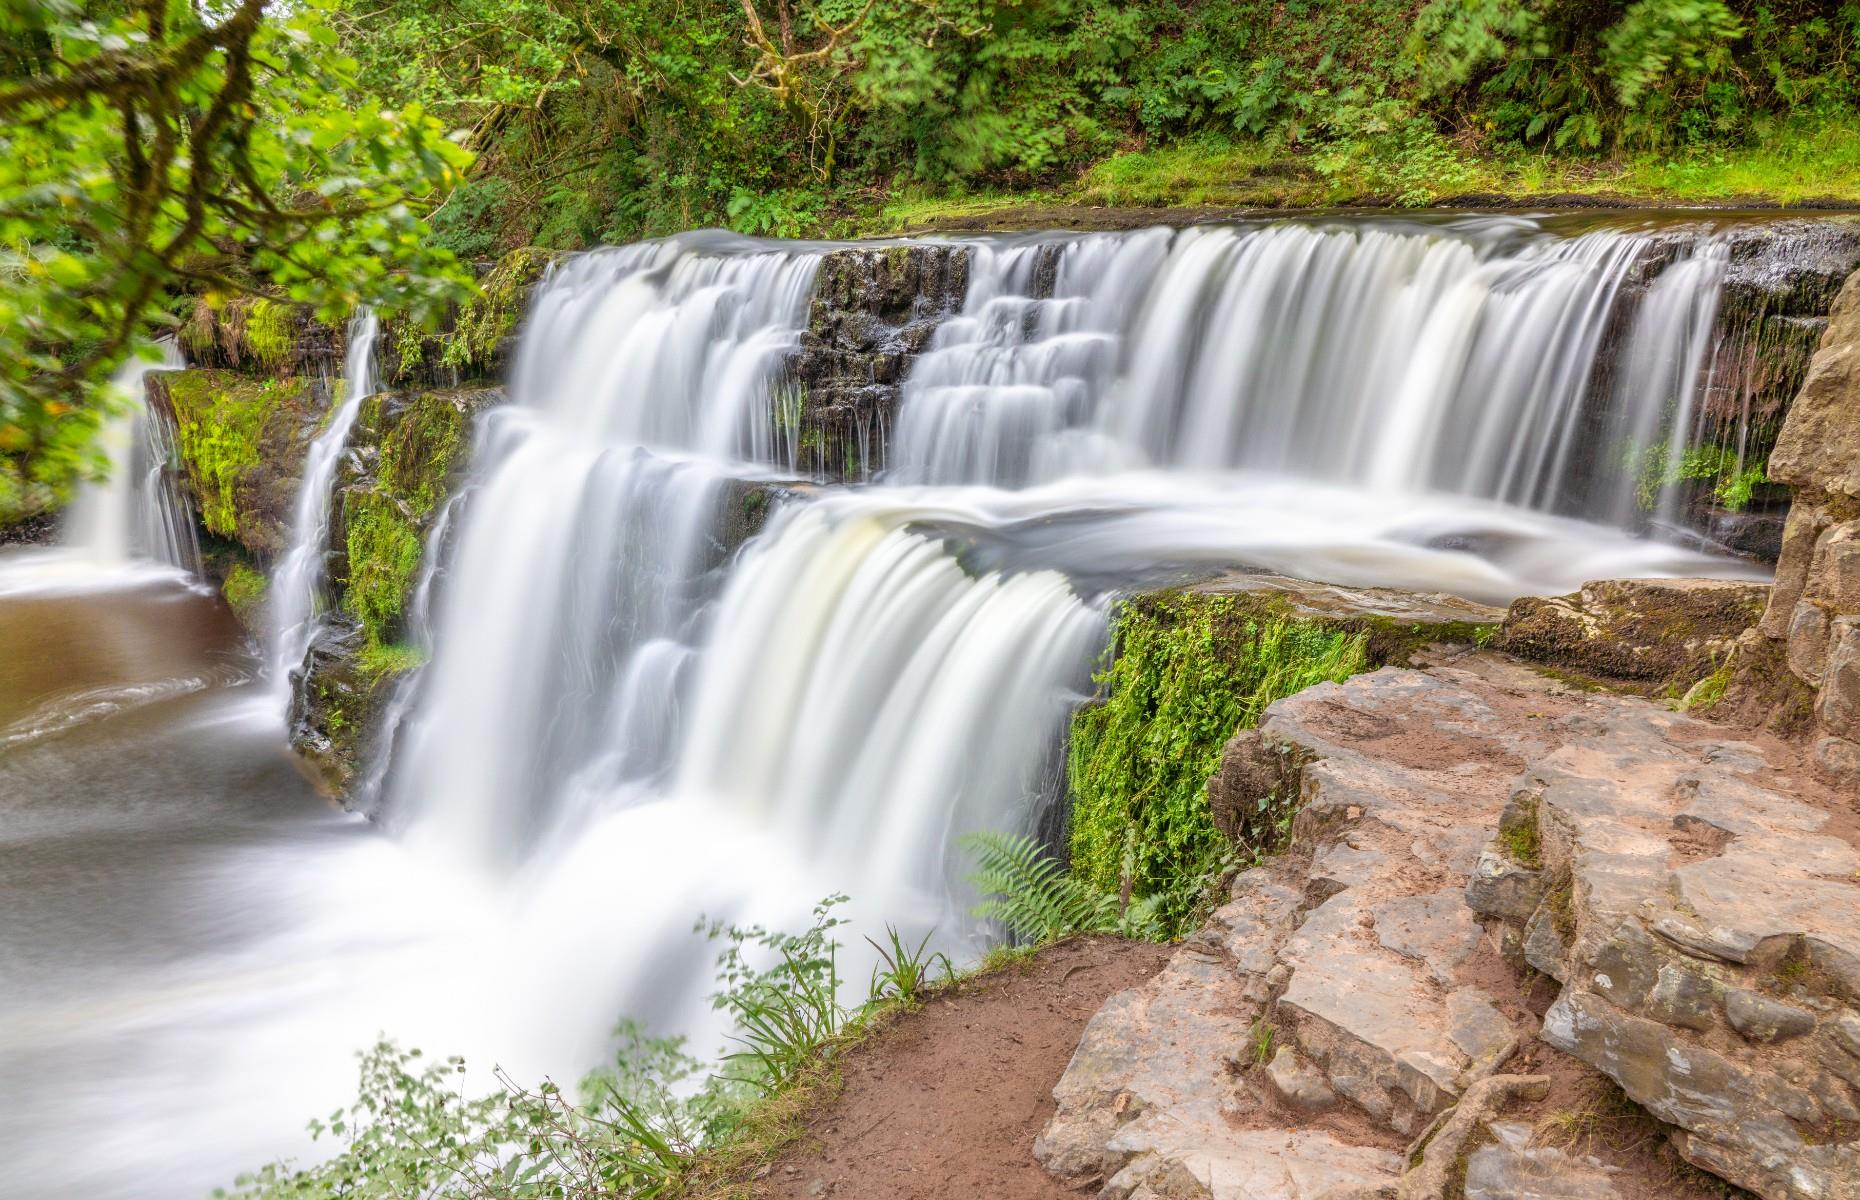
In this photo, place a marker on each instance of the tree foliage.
(156, 147)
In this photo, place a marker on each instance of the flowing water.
(633, 718)
(295, 593)
(136, 512)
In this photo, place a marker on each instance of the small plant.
(1038, 900)
(785, 1013)
(903, 973)
(1263, 1036)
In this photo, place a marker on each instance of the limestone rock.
(1819, 444)
(1510, 1168)
(1762, 1019)
(1298, 1083)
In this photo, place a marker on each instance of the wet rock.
(1819, 445)
(242, 442)
(1664, 632)
(406, 454)
(873, 311)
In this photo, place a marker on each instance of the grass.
(1791, 161)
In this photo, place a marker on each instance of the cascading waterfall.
(297, 584)
(136, 511)
(642, 380)
(1457, 358)
(628, 721)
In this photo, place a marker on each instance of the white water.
(135, 512)
(295, 594)
(628, 721)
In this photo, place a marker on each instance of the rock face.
(1707, 933)
(242, 442)
(1341, 1026)
(1659, 633)
(405, 455)
(873, 311)
(1814, 612)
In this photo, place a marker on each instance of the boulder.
(1657, 633)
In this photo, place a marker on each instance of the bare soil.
(946, 1101)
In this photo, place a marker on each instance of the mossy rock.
(242, 442)
(1647, 635)
(337, 707)
(407, 453)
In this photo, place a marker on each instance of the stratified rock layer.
(1458, 824)
(873, 311)
(1814, 611)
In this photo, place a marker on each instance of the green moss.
(1519, 836)
(1186, 671)
(376, 662)
(220, 419)
(418, 452)
(244, 589)
(384, 555)
(270, 331)
(488, 318)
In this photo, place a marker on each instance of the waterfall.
(297, 584)
(136, 511)
(629, 719)
(1458, 358)
(641, 386)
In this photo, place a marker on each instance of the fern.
(1038, 899)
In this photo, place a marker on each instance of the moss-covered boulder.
(242, 442)
(406, 455)
(1647, 635)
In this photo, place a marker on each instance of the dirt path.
(947, 1101)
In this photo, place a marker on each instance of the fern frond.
(1032, 894)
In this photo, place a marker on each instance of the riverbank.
(1809, 166)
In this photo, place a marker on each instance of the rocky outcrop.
(1657, 634)
(405, 456)
(1706, 929)
(1345, 1024)
(873, 311)
(241, 441)
(1813, 616)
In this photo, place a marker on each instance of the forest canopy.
(158, 153)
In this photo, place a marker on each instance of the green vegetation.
(1655, 469)
(384, 555)
(244, 589)
(1036, 899)
(653, 1122)
(1186, 671)
(605, 120)
(157, 149)
(223, 422)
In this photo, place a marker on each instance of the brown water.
(164, 921)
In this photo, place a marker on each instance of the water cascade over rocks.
(619, 688)
(669, 679)
(136, 512)
(296, 584)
